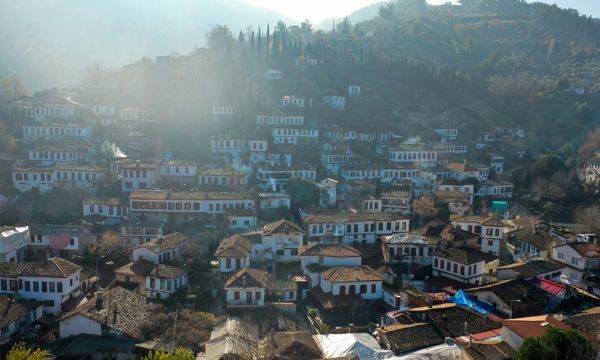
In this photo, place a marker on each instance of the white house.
(463, 264)
(272, 74)
(137, 115)
(451, 184)
(13, 242)
(56, 132)
(410, 247)
(52, 281)
(17, 315)
(241, 219)
(531, 243)
(353, 227)
(334, 160)
(293, 101)
(109, 207)
(327, 193)
(294, 135)
(246, 288)
(316, 258)
(104, 110)
(447, 134)
(181, 171)
(41, 112)
(58, 240)
(396, 201)
(273, 201)
(223, 176)
(233, 253)
(516, 331)
(135, 233)
(497, 163)
(353, 90)
(335, 102)
(276, 177)
(579, 258)
(116, 312)
(223, 110)
(165, 248)
(280, 119)
(371, 204)
(280, 241)
(139, 175)
(27, 177)
(497, 189)
(413, 153)
(379, 171)
(157, 281)
(355, 280)
(490, 229)
(50, 154)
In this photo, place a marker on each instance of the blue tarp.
(468, 301)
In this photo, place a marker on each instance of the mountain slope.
(57, 39)
(365, 13)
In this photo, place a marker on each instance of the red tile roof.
(533, 326)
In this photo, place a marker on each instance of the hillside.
(365, 13)
(57, 39)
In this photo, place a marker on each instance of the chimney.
(99, 301)
(381, 322)
(244, 281)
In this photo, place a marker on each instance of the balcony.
(242, 303)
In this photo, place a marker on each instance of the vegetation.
(557, 344)
(303, 192)
(180, 354)
(20, 351)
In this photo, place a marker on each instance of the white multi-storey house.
(158, 281)
(223, 176)
(339, 134)
(139, 232)
(413, 153)
(159, 202)
(233, 253)
(447, 134)
(18, 314)
(52, 281)
(490, 230)
(223, 110)
(104, 110)
(354, 280)
(276, 177)
(41, 112)
(246, 288)
(46, 178)
(353, 90)
(327, 193)
(13, 242)
(579, 258)
(497, 189)
(225, 146)
(54, 154)
(58, 240)
(463, 264)
(139, 175)
(181, 171)
(410, 247)
(353, 227)
(56, 132)
(451, 184)
(280, 241)
(396, 201)
(137, 115)
(165, 248)
(497, 163)
(112, 208)
(281, 119)
(293, 101)
(294, 135)
(334, 160)
(378, 171)
(335, 102)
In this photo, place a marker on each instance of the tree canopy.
(303, 192)
(557, 344)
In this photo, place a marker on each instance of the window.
(342, 290)
(27, 285)
(462, 270)
(363, 289)
(36, 286)
(3, 285)
(448, 266)
(294, 252)
(321, 259)
(575, 260)
(373, 288)
(352, 289)
(435, 262)
(70, 282)
(455, 268)
(59, 287)
(72, 242)
(52, 286)
(561, 255)
(258, 295)
(236, 295)
(152, 283)
(44, 287)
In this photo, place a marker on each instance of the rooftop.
(12, 309)
(166, 242)
(282, 227)
(236, 246)
(53, 267)
(534, 326)
(532, 268)
(408, 337)
(248, 277)
(330, 250)
(464, 255)
(351, 217)
(515, 289)
(147, 268)
(117, 308)
(351, 274)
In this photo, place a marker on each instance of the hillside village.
(282, 233)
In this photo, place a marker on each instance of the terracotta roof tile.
(282, 226)
(330, 250)
(348, 274)
(236, 245)
(248, 277)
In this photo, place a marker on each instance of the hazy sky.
(317, 10)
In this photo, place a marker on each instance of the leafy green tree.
(557, 344)
(303, 192)
(180, 354)
(219, 38)
(21, 352)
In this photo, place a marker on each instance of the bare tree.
(590, 218)
(424, 207)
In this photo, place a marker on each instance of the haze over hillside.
(54, 43)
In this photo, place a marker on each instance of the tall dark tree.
(268, 40)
